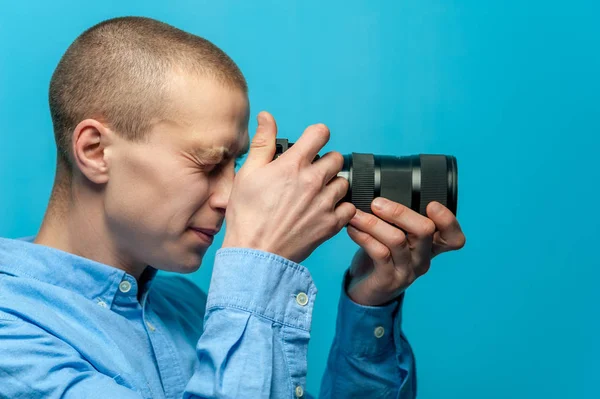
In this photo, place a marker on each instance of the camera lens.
(413, 180)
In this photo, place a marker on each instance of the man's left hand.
(397, 246)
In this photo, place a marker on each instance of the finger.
(310, 143)
(375, 279)
(344, 213)
(419, 230)
(329, 165)
(390, 236)
(262, 147)
(413, 223)
(387, 275)
(335, 191)
(449, 235)
(380, 253)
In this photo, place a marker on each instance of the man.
(149, 121)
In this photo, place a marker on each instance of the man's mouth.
(207, 235)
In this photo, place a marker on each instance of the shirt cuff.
(263, 283)
(367, 331)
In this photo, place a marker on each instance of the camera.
(412, 180)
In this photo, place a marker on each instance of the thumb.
(262, 148)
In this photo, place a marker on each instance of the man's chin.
(183, 269)
(186, 264)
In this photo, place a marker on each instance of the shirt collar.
(94, 280)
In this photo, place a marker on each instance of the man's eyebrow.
(218, 154)
(208, 154)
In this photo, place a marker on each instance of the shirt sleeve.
(254, 344)
(256, 328)
(370, 355)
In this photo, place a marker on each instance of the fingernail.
(379, 203)
(262, 119)
(357, 215)
(435, 207)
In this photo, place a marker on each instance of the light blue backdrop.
(508, 87)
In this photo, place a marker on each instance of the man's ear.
(90, 140)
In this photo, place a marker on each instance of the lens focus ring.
(434, 180)
(363, 181)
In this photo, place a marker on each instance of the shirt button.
(302, 299)
(299, 391)
(379, 331)
(125, 286)
(101, 303)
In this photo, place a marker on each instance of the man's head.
(148, 121)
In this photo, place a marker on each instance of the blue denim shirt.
(71, 327)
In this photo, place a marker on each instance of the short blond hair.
(117, 70)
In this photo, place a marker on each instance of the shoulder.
(21, 296)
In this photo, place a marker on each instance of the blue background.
(508, 87)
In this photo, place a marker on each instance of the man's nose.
(222, 190)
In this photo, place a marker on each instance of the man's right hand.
(287, 206)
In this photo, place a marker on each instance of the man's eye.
(207, 167)
(216, 168)
(213, 169)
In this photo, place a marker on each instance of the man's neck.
(74, 224)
